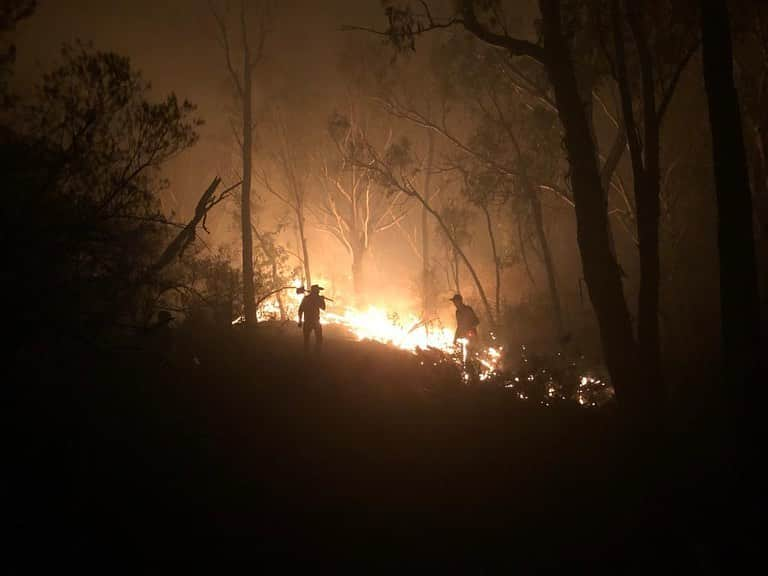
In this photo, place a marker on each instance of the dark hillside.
(360, 454)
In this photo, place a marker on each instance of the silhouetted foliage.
(83, 160)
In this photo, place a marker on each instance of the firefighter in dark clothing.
(466, 333)
(466, 320)
(309, 316)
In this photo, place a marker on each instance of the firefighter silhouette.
(309, 317)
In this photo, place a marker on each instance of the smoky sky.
(174, 44)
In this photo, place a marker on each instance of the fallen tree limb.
(187, 234)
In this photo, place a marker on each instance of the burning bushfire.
(402, 329)
(433, 343)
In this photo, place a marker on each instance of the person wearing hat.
(309, 316)
(466, 320)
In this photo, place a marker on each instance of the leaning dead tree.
(252, 49)
(177, 247)
(188, 233)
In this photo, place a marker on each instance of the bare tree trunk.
(601, 271)
(244, 87)
(249, 296)
(760, 190)
(648, 209)
(496, 259)
(304, 249)
(538, 219)
(357, 247)
(647, 186)
(760, 181)
(740, 389)
(546, 253)
(739, 304)
(280, 302)
(358, 276)
(425, 288)
(549, 266)
(455, 271)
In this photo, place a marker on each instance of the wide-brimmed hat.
(456, 298)
(316, 287)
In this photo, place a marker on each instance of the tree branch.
(227, 51)
(513, 46)
(669, 91)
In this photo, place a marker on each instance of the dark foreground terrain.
(231, 448)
